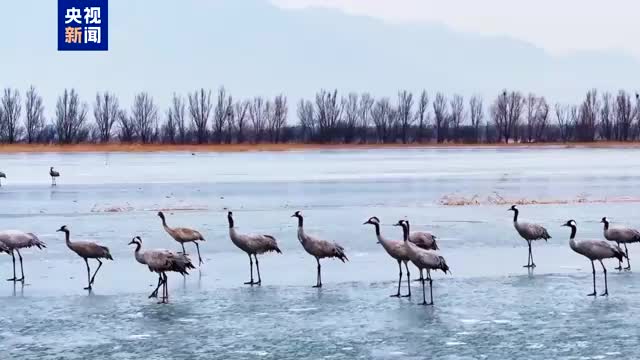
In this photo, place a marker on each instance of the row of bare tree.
(327, 118)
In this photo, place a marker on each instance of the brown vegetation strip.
(132, 148)
(496, 199)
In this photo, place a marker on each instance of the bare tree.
(405, 114)
(350, 117)
(364, 115)
(588, 117)
(422, 115)
(565, 122)
(542, 118)
(328, 112)
(224, 106)
(105, 113)
(200, 109)
(537, 112)
(606, 117)
(241, 110)
(441, 117)
(623, 115)
(126, 128)
(258, 112)
(506, 112)
(277, 117)
(10, 119)
(169, 129)
(144, 114)
(476, 113)
(458, 115)
(70, 117)
(176, 116)
(34, 112)
(381, 117)
(306, 117)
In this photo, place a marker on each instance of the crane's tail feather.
(35, 241)
(339, 253)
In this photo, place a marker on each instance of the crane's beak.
(131, 242)
(59, 230)
(365, 223)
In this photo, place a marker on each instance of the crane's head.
(372, 220)
(135, 240)
(570, 223)
(400, 223)
(604, 220)
(161, 215)
(51, 168)
(297, 214)
(512, 208)
(230, 214)
(63, 228)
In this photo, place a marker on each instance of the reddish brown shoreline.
(38, 148)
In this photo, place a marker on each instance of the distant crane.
(87, 250)
(252, 244)
(318, 248)
(594, 250)
(2, 175)
(54, 174)
(183, 235)
(160, 261)
(529, 232)
(14, 240)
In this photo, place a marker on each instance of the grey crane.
(424, 240)
(594, 250)
(87, 250)
(160, 261)
(183, 235)
(252, 244)
(14, 240)
(318, 248)
(423, 259)
(396, 250)
(2, 175)
(54, 174)
(621, 236)
(529, 232)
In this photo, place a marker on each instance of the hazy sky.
(558, 26)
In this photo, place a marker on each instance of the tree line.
(202, 117)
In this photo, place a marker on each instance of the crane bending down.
(396, 250)
(423, 259)
(318, 248)
(252, 244)
(183, 235)
(54, 174)
(87, 250)
(14, 240)
(529, 232)
(594, 250)
(160, 261)
(621, 235)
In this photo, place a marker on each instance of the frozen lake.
(490, 307)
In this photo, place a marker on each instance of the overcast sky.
(558, 26)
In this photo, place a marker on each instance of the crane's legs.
(258, 269)
(94, 274)
(200, 262)
(88, 275)
(626, 251)
(424, 299)
(430, 286)
(250, 282)
(13, 257)
(319, 276)
(399, 280)
(408, 280)
(183, 251)
(165, 291)
(593, 268)
(21, 268)
(530, 263)
(606, 288)
(619, 268)
(155, 292)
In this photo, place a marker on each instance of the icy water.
(489, 308)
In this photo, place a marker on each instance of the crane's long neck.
(405, 232)
(300, 221)
(230, 218)
(377, 226)
(606, 225)
(573, 232)
(137, 254)
(66, 238)
(301, 235)
(515, 215)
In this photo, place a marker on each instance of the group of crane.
(53, 173)
(419, 248)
